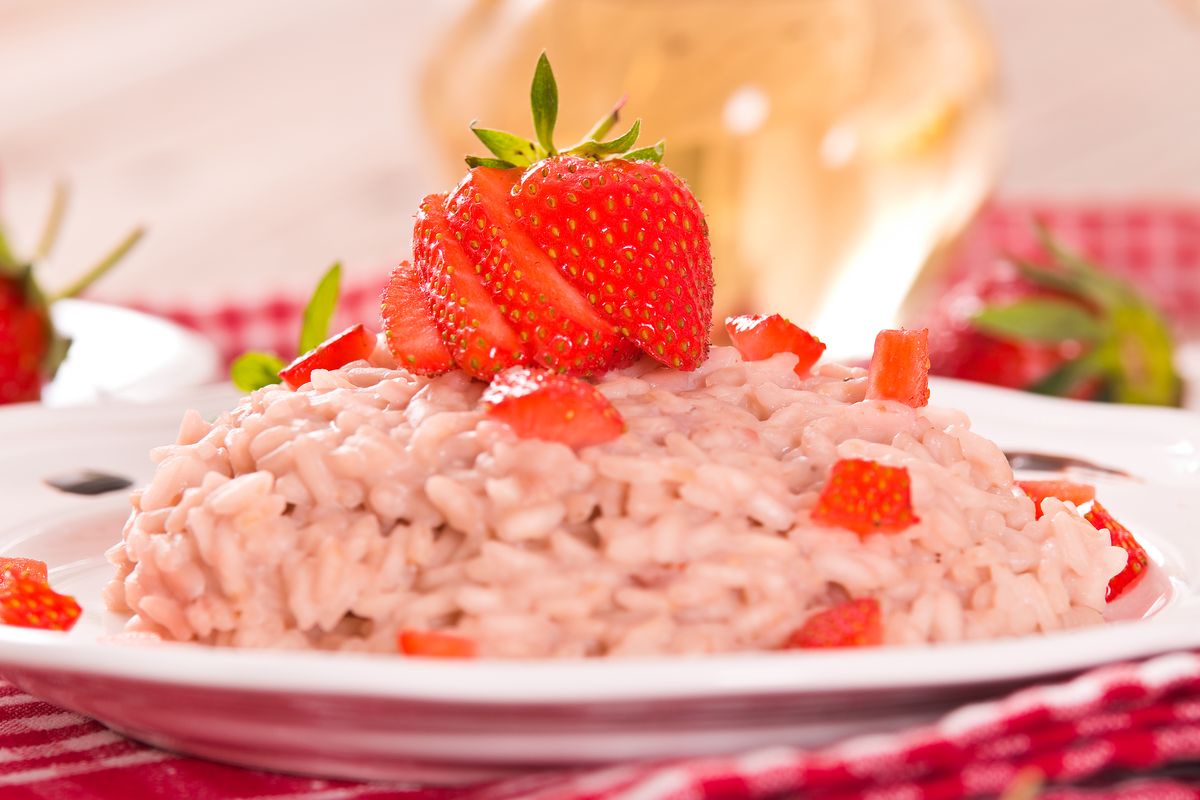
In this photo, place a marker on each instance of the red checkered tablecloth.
(1130, 731)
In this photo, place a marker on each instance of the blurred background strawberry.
(31, 350)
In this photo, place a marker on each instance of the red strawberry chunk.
(557, 326)
(900, 367)
(408, 325)
(353, 344)
(1121, 537)
(435, 644)
(1077, 493)
(632, 239)
(33, 604)
(473, 329)
(866, 497)
(855, 623)
(24, 342)
(22, 569)
(758, 337)
(539, 404)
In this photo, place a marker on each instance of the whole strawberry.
(576, 260)
(1067, 328)
(30, 348)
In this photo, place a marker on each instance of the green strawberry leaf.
(255, 370)
(315, 327)
(1062, 381)
(1141, 346)
(8, 262)
(543, 98)
(600, 150)
(476, 161)
(653, 153)
(1039, 320)
(509, 147)
(605, 123)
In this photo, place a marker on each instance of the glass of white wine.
(836, 145)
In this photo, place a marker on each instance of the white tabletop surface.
(263, 140)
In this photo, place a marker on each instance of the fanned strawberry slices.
(576, 261)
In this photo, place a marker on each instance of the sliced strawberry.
(758, 337)
(472, 327)
(866, 497)
(33, 604)
(1077, 493)
(630, 236)
(408, 327)
(855, 623)
(353, 344)
(1121, 537)
(539, 404)
(900, 367)
(559, 328)
(435, 644)
(22, 569)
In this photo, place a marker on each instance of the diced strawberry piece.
(33, 604)
(558, 326)
(435, 644)
(1121, 537)
(408, 325)
(22, 569)
(474, 330)
(758, 337)
(539, 404)
(353, 344)
(855, 623)
(866, 497)
(1077, 493)
(900, 367)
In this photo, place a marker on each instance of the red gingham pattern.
(1127, 731)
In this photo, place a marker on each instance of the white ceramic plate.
(119, 354)
(384, 717)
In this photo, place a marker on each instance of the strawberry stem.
(54, 218)
(109, 261)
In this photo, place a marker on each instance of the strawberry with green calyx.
(1068, 328)
(31, 350)
(256, 369)
(573, 260)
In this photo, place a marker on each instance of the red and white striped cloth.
(1112, 728)
(1129, 731)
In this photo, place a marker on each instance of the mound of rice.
(373, 501)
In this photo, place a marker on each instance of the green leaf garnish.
(315, 327)
(511, 150)
(606, 123)
(510, 147)
(1128, 342)
(653, 153)
(251, 371)
(1070, 374)
(478, 161)
(543, 97)
(1040, 320)
(616, 146)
